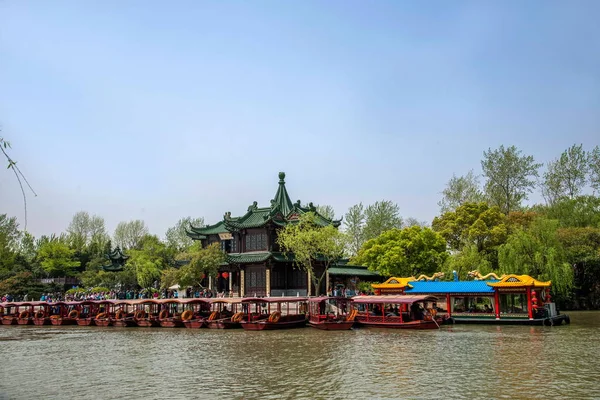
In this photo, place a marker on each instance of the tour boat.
(103, 317)
(85, 312)
(222, 317)
(401, 312)
(194, 313)
(269, 313)
(25, 313)
(330, 313)
(170, 315)
(123, 314)
(146, 314)
(41, 313)
(63, 314)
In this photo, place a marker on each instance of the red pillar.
(497, 303)
(529, 305)
(448, 305)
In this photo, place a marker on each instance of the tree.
(201, 263)
(404, 252)
(581, 211)
(9, 232)
(509, 177)
(567, 175)
(85, 230)
(594, 168)
(460, 190)
(326, 211)
(536, 251)
(169, 277)
(128, 235)
(148, 261)
(410, 221)
(12, 164)
(354, 222)
(311, 245)
(56, 258)
(176, 236)
(380, 217)
(468, 259)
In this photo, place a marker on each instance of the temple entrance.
(255, 281)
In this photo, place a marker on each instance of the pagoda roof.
(117, 254)
(513, 280)
(281, 212)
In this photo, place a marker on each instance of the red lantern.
(225, 275)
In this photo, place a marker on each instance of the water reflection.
(454, 362)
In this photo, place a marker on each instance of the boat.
(85, 312)
(41, 313)
(222, 317)
(330, 313)
(62, 313)
(123, 316)
(10, 313)
(146, 313)
(395, 311)
(170, 314)
(195, 312)
(103, 317)
(270, 313)
(25, 313)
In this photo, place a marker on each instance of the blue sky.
(158, 110)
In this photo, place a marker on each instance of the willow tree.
(201, 263)
(311, 245)
(538, 252)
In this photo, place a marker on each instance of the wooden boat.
(85, 313)
(395, 311)
(103, 316)
(41, 313)
(10, 313)
(330, 313)
(63, 316)
(170, 313)
(269, 313)
(25, 313)
(146, 314)
(123, 315)
(222, 317)
(195, 312)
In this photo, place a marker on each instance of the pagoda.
(117, 260)
(255, 265)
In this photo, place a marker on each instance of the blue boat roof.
(466, 287)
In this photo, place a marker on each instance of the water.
(455, 362)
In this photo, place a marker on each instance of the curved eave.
(194, 236)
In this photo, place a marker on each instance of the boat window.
(513, 303)
(470, 304)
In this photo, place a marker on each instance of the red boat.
(400, 312)
(123, 314)
(146, 314)
(63, 313)
(269, 313)
(170, 313)
(103, 317)
(330, 313)
(10, 313)
(195, 312)
(85, 312)
(25, 313)
(41, 313)
(222, 316)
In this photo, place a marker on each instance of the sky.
(160, 110)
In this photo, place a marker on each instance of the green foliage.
(149, 261)
(56, 258)
(202, 262)
(581, 211)
(311, 244)
(594, 168)
(537, 251)
(354, 222)
(380, 217)
(169, 277)
(23, 283)
(510, 177)
(407, 252)
(460, 190)
(472, 224)
(176, 236)
(326, 211)
(566, 176)
(468, 259)
(129, 235)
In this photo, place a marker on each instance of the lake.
(461, 361)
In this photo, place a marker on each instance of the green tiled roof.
(244, 258)
(352, 270)
(281, 212)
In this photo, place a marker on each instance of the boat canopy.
(403, 299)
(288, 299)
(324, 298)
